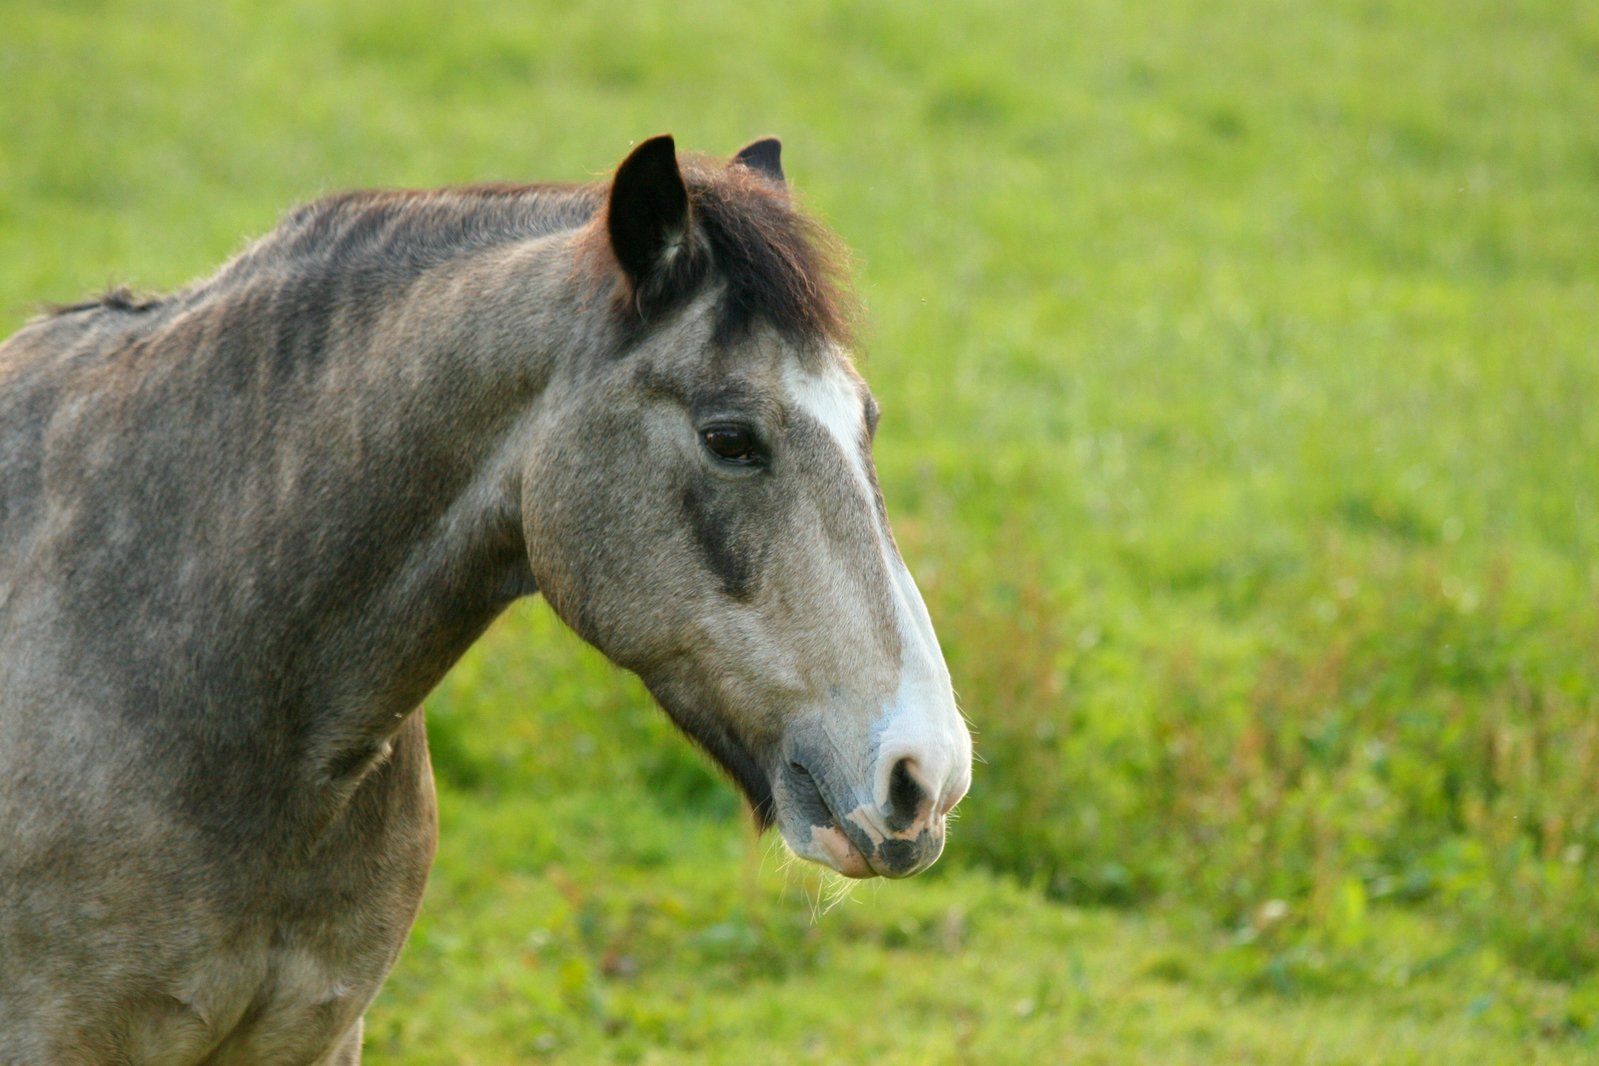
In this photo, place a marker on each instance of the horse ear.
(764, 156)
(648, 216)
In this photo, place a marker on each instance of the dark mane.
(120, 298)
(776, 264)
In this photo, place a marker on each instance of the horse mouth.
(829, 841)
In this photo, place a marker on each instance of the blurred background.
(1239, 374)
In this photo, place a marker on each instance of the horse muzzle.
(897, 835)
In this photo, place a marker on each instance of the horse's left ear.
(648, 216)
(764, 156)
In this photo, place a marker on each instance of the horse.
(246, 527)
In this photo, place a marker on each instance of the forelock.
(776, 263)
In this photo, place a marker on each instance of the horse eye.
(733, 444)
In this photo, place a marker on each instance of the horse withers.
(245, 528)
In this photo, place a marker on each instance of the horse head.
(700, 503)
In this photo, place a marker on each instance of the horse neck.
(422, 544)
(352, 527)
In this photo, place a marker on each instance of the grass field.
(1241, 413)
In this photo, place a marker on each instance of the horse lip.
(812, 798)
(813, 802)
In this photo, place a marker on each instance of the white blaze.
(920, 721)
(833, 399)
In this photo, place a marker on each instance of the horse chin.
(829, 846)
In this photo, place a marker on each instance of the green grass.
(1240, 381)
(564, 924)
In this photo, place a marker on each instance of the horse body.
(218, 811)
(245, 529)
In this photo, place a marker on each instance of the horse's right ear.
(648, 215)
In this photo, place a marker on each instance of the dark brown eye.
(732, 444)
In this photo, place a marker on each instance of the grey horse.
(245, 528)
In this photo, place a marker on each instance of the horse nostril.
(905, 797)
